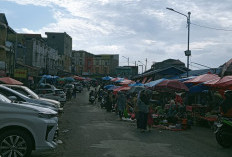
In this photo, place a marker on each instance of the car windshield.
(33, 94)
(4, 99)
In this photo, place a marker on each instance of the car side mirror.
(12, 98)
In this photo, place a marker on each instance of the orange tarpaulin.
(8, 80)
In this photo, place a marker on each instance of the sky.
(135, 29)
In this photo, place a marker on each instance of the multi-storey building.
(63, 43)
(35, 52)
(106, 64)
(7, 47)
(82, 62)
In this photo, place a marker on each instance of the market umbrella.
(202, 78)
(113, 87)
(108, 86)
(119, 80)
(79, 78)
(211, 82)
(225, 82)
(116, 79)
(8, 80)
(107, 78)
(136, 84)
(171, 85)
(121, 88)
(153, 83)
(126, 82)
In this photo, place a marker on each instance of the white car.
(55, 94)
(18, 97)
(24, 128)
(28, 92)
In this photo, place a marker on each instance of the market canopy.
(171, 85)
(8, 80)
(136, 84)
(225, 82)
(202, 78)
(122, 88)
(126, 82)
(108, 86)
(153, 83)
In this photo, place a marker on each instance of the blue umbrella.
(120, 80)
(108, 86)
(107, 78)
(153, 83)
(113, 87)
(136, 84)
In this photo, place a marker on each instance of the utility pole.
(128, 60)
(146, 65)
(135, 63)
(187, 52)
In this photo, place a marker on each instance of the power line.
(218, 29)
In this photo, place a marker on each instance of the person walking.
(143, 108)
(121, 104)
(74, 93)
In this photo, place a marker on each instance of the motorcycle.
(223, 132)
(103, 103)
(92, 99)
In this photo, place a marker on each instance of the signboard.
(20, 73)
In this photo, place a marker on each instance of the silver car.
(24, 128)
(28, 92)
(18, 97)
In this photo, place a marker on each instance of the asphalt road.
(86, 130)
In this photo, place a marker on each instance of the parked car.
(55, 94)
(18, 97)
(27, 92)
(24, 128)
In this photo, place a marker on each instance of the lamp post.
(144, 64)
(127, 59)
(187, 52)
(142, 68)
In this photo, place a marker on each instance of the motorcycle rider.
(226, 105)
(91, 94)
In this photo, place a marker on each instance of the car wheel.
(15, 143)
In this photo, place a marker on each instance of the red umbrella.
(78, 78)
(211, 82)
(225, 82)
(202, 78)
(8, 80)
(171, 85)
(126, 82)
(121, 88)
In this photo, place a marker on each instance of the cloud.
(141, 29)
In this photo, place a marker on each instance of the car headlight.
(46, 115)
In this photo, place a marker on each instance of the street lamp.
(142, 68)
(187, 52)
(144, 65)
(127, 59)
